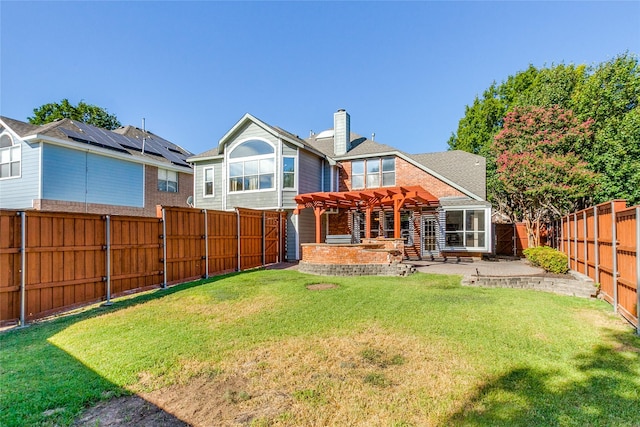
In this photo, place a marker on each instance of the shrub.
(549, 259)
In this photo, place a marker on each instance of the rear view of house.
(338, 183)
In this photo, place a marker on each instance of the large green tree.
(82, 112)
(607, 94)
(539, 176)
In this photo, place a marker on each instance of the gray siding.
(310, 171)
(306, 230)
(18, 193)
(79, 176)
(215, 202)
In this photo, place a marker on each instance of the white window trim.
(487, 229)
(229, 161)
(381, 173)
(204, 182)
(295, 173)
(17, 146)
(177, 180)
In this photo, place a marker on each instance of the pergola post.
(318, 211)
(367, 221)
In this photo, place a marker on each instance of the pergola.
(367, 200)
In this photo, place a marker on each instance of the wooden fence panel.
(10, 236)
(251, 241)
(185, 244)
(136, 254)
(580, 245)
(65, 261)
(627, 285)
(222, 230)
(605, 250)
(590, 242)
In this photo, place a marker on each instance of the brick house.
(74, 167)
(338, 183)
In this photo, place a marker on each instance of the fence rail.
(603, 242)
(51, 261)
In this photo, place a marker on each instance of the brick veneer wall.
(380, 257)
(406, 175)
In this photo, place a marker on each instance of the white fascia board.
(416, 164)
(80, 146)
(196, 159)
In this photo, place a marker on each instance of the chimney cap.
(341, 110)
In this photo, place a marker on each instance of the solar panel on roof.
(89, 135)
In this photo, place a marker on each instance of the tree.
(539, 175)
(83, 112)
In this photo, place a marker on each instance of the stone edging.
(580, 286)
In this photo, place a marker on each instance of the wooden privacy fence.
(603, 242)
(51, 262)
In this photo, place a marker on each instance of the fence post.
(264, 239)
(638, 270)
(575, 238)
(23, 266)
(614, 248)
(164, 248)
(586, 243)
(108, 256)
(206, 245)
(595, 245)
(238, 232)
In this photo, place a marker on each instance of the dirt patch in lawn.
(321, 286)
(373, 377)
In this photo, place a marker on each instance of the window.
(372, 173)
(466, 228)
(288, 172)
(255, 167)
(167, 180)
(208, 182)
(9, 158)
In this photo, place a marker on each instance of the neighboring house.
(74, 167)
(348, 181)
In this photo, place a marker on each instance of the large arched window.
(251, 166)
(9, 157)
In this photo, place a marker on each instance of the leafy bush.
(549, 259)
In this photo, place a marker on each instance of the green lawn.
(420, 350)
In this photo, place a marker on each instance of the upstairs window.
(288, 172)
(208, 182)
(167, 180)
(373, 173)
(251, 166)
(10, 157)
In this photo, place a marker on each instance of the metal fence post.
(164, 248)
(108, 256)
(614, 248)
(206, 244)
(23, 266)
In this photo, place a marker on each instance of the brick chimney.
(341, 132)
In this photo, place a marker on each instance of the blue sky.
(404, 70)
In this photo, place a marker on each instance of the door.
(430, 243)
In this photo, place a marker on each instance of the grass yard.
(260, 349)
